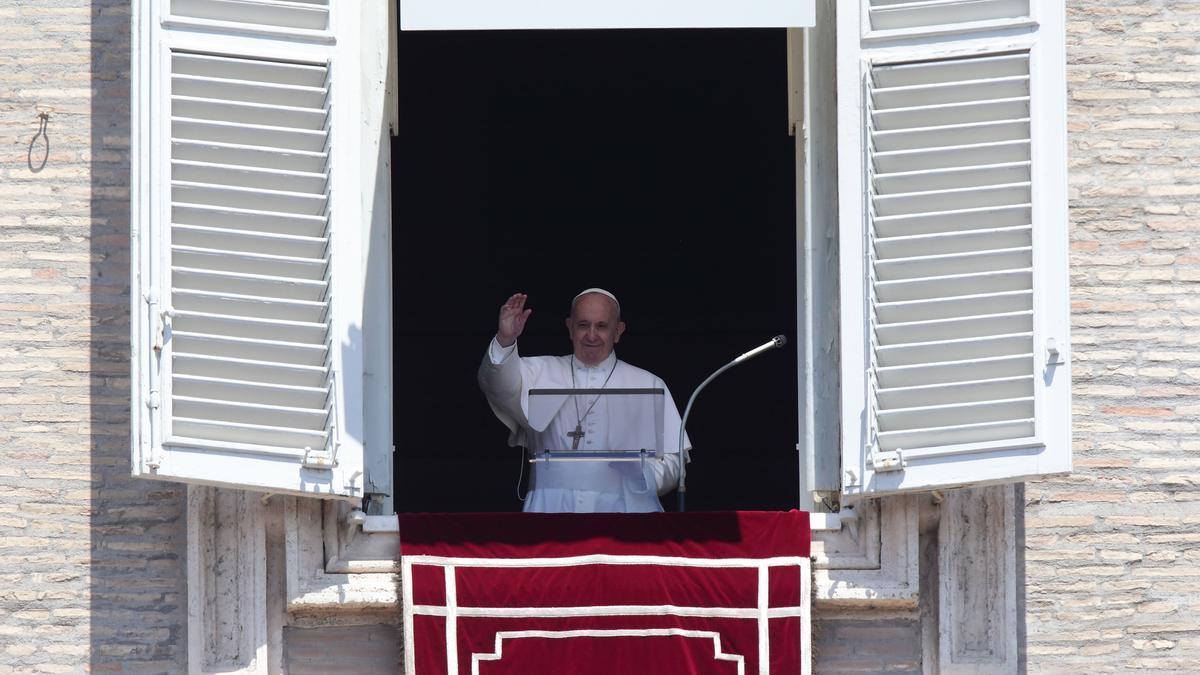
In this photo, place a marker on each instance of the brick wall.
(1113, 552)
(91, 561)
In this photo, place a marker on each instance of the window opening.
(654, 163)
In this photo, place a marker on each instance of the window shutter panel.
(953, 220)
(247, 373)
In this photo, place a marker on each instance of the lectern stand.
(632, 422)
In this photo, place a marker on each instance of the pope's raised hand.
(513, 316)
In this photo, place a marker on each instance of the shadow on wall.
(138, 537)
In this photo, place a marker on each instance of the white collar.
(608, 363)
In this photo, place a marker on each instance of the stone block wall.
(364, 650)
(867, 644)
(1112, 553)
(91, 560)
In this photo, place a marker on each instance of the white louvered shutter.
(248, 276)
(953, 219)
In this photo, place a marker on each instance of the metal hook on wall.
(44, 117)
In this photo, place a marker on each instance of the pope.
(583, 422)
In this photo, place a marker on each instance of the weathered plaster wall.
(1113, 552)
(91, 561)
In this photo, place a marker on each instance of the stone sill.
(863, 558)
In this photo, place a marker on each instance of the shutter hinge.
(150, 441)
(883, 462)
(162, 319)
(324, 460)
(1054, 357)
(156, 340)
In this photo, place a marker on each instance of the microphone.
(774, 343)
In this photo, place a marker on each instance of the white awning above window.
(538, 14)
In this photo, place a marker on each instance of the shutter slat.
(953, 285)
(219, 110)
(214, 388)
(1008, 110)
(933, 14)
(239, 283)
(269, 351)
(247, 241)
(951, 134)
(249, 413)
(943, 265)
(279, 201)
(941, 157)
(972, 412)
(956, 91)
(184, 363)
(249, 305)
(955, 350)
(249, 437)
(248, 155)
(911, 441)
(254, 220)
(276, 179)
(953, 328)
(248, 91)
(926, 180)
(273, 351)
(911, 203)
(958, 392)
(962, 241)
(955, 306)
(933, 222)
(945, 372)
(217, 260)
(301, 14)
(951, 70)
(248, 327)
(248, 69)
(261, 135)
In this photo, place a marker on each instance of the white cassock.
(613, 423)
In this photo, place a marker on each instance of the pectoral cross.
(577, 434)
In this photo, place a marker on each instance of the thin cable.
(521, 474)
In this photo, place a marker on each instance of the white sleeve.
(666, 472)
(502, 383)
(497, 353)
(667, 468)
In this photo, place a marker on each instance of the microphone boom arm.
(775, 343)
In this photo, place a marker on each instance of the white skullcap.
(601, 291)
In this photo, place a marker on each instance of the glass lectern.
(596, 425)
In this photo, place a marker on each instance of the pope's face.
(594, 327)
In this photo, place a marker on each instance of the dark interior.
(656, 164)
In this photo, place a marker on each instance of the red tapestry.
(592, 594)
